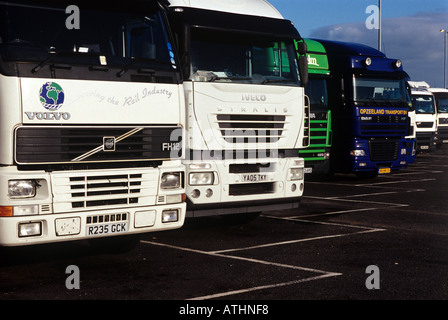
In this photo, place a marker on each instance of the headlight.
(19, 189)
(296, 174)
(170, 216)
(358, 153)
(201, 178)
(171, 180)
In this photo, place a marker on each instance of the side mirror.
(185, 55)
(342, 91)
(302, 48)
(303, 70)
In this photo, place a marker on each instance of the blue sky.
(411, 29)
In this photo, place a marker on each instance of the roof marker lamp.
(398, 64)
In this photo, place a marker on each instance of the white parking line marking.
(388, 204)
(211, 253)
(398, 181)
(335, 212)
(296, 241)
(303, 218)
(276, 285)
(363, 195)
(325, 274)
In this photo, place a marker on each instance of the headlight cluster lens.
(19, 189)
(201, 178)
(358, 153)
(171, 180)
(296, 174)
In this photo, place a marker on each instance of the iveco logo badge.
(109, 144)
(254, 97)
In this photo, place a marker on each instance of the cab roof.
(247, 7)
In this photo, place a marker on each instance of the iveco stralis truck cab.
(245, 106)
(426, 115)
(441, 97)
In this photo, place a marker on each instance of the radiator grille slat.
(384, 126)
(384, 150)
(251, 128)
(81, 190)
(75, 144)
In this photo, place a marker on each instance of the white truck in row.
(245, 105)
(425, 115)
(91, 123)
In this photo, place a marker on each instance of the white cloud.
(416, 40)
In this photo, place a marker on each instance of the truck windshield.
(237, 57)
(442, 102)
(316, 90)
(443, 105)
(30, 32)
(380, 90)
(423, 104)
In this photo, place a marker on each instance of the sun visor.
(222, 21)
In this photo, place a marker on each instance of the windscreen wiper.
(215, 77)
(52, 54)
(139, 59)
(276, 80)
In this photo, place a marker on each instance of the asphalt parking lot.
(321, 251)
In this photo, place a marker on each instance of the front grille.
(443, 120)
(251, 128)
(105, 190)
(425, 124)
(443, 133)
(77, 144)
(383, 150)
(384, 126)
(79, 190)
(318, 133)
(251, 168)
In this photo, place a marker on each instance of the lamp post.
(379, 26)
(445, 32)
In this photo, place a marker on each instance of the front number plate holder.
(96, 230)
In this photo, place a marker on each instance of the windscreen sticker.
(383, 112)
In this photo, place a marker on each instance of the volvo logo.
(109, 144)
